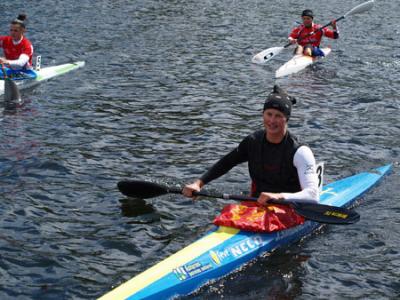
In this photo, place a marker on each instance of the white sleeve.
(20, 62)
(304, 162)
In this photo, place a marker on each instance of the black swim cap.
(307, 13)
(280, 100)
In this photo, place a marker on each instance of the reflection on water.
(139, 211)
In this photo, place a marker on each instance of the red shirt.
(301, 34)
(13, 52)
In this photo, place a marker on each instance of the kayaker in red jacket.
(280, 167)
(18, 50)
(308, 35)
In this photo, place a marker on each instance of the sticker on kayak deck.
(219, 256)
(236, 250)
(190, 270)
(242, 248)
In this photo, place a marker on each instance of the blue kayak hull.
(224, 249)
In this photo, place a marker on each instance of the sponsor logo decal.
(180, 273)
(245, 246)
(217, 258)
(236, 250)
(190, 270)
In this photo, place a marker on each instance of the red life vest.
(13, 52)
(301, 33)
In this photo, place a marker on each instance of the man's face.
(307, 21)
(274, 121)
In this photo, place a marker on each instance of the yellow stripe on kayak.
(166, 266)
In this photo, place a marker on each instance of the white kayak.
(298, 63)
(45, 74)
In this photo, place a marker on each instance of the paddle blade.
(11, 92)
(141, 189)
(360, 8)
(266, 55)
(326, 213)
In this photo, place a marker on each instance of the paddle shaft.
(219, 196)
(244, 198)
(313, 211)
(173, 190)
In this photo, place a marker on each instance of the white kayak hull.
(45, 74)
(299, 63)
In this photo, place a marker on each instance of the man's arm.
(233, 158)
(17, 63)
(334, 33)
(304, 161)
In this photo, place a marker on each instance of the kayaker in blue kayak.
(18, 50)
(308, 35)
(280, 167)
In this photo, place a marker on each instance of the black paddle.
(316, 212)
